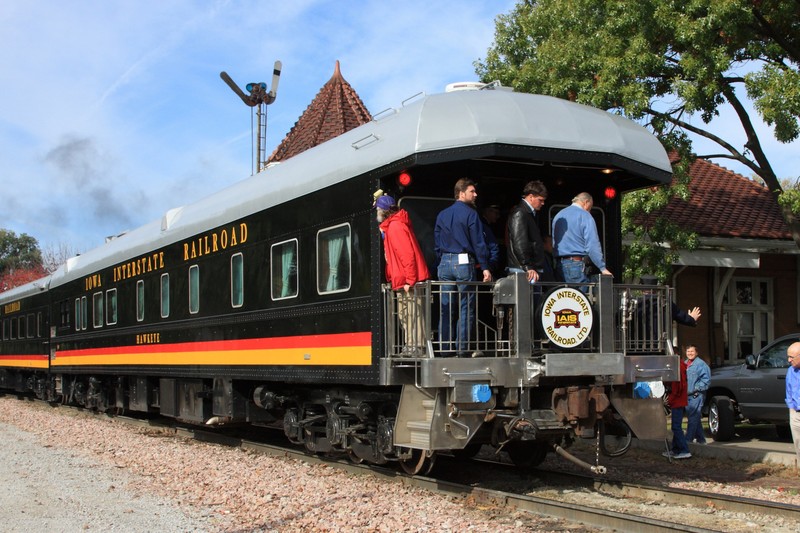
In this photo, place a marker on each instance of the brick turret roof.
(723, 203)
(336, 109)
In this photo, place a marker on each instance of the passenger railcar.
(266, 303)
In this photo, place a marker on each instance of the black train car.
(24, 345)
(266, 302)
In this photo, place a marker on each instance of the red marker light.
(610, 193)
(404, 178)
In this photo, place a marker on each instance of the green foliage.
(18, 252)
(777, 98)
(790, 199)
(660, 62)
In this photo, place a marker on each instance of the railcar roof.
(24, 291)
(427, 124)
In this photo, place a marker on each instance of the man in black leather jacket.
(525, 244)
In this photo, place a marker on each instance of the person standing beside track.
(405, 267)
(677, 401)
(793, 394)
(698, 377)
(460, 245)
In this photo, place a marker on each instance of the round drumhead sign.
(567, 317)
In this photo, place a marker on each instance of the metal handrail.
(416, 322)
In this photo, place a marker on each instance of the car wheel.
(721, 418)
(784, 432)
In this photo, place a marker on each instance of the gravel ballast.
(72, 471)
(45, 488)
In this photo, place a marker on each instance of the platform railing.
(417, 321)
(446, 319)
(643, 319)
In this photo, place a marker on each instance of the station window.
(140, 300)
(13, 328)
(237, 280)
(164, 295)
(97, 310)
(31, 325)
(333, 259)
(194, 289)
(111, 306)
(283, 258)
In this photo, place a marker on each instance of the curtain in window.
(335, 246)
(287, 267)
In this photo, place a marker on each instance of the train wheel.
(527, 454)
(469, 451)
(356, 460)
(420, 463)
(615, 436)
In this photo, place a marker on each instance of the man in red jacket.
(405, 267)
(677, 401)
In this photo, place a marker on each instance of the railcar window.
(77, 314)
(194, 289)
(64, 313)
(39, 324)
(140, 300)
(164, 295)
(111, 306)
(21, 328)
(13, 328)
(237, 280)
(333, 259)
(84, 313)
(5, 330)
(97, 310)
(283, 259)
(31, 329)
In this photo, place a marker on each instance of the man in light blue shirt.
(574, 239)
(793, 393)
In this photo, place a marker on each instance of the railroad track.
(449, 481)
(446, 483)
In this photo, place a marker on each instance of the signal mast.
(258, 99)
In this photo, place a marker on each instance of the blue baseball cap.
(384, 202)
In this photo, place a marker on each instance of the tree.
(661, 62)
(53, 256)
(20, 260)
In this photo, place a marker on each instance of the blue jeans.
(451, 327)
(694, 413)
(573, 272)
(678, 438)
(537, 289)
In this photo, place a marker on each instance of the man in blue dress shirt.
(574, 238)
(793, 393)
(460, 245)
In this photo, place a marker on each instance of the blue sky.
(113, 112)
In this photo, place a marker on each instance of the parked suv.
(754, 392)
